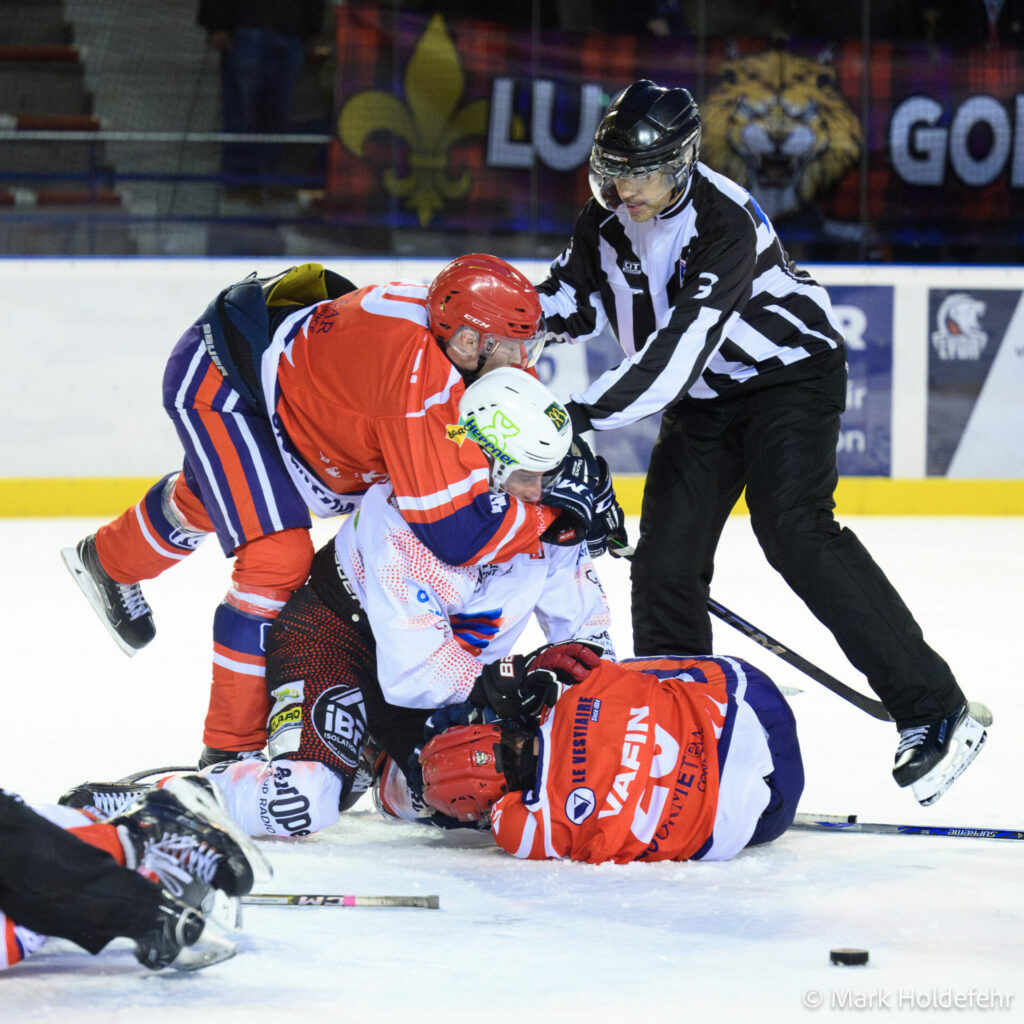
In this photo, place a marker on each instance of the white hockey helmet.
(518, 423)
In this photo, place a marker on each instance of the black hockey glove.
(608, 527)
(524, 685)
(572, 495)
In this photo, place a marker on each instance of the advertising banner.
(467, 124)
(976, 383)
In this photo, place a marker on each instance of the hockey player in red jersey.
(296, 392)
(384, 632)
(671, 758)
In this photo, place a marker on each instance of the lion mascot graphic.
(778, 125)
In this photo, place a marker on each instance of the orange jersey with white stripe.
(628, 767)
(361, 391)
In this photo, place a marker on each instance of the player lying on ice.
(385, 632)
(166, 871)
(669, 758)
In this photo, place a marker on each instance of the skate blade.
(212, 947)
(979, 712)
(223, 910)
(205, 805)
(85, 584)
(965, 746)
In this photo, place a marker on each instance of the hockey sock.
(267, 571)
(16, 942)
(237, 715)
(103, 837)
(166, 526)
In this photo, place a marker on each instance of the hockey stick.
(849, 823)
(875, 708)
(139, 776)
(261, 899)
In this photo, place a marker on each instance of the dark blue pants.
(787, 778)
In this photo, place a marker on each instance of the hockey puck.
(848, 957)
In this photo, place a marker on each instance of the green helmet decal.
(494, 436)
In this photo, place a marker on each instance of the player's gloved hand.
(573, 495)
(608, 527)
(447, 717)
(519, 685)
(570, 661)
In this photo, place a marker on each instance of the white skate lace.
(109, 804)
(179, 859)
(133, 601)
(910, 738)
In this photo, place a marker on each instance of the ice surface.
(745, 940)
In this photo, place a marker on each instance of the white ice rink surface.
(746, 940)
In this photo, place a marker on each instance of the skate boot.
(120, 606)
(180, 833)
(930, 758)
(371, 763)
(212, 755)
(182, 939)
(104, 799)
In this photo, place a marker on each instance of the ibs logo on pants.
(339, 718)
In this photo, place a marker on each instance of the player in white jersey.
(385, 632)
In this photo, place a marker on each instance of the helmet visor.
(606, 171)
(519, 352)
(525, 484)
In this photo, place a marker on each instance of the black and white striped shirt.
(700, 298)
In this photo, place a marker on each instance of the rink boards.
(932, 425)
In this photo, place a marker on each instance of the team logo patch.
(339, 719)
(580, 804)
(493, 436)
(557, 414)
(959, 334)
(294, 690)
(290, 718)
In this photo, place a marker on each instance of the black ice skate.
(182, 939)
(212, 755)
(180, 832)
(103, 798)
(930, 758)
(120, 606)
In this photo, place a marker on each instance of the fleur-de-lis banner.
(470, 124)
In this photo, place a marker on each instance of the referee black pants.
(779, 441)
(56, 884)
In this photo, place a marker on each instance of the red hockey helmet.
(462, 771)
(491, 297)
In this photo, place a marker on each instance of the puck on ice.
(848, 957)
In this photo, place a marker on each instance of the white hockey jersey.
(435, 623)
